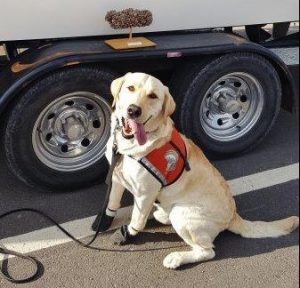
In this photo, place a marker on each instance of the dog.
(194, 198)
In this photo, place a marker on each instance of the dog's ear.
(169, 105)
(116, 87)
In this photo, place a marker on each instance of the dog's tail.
(260, 229)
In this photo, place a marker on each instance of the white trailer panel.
(40, 19)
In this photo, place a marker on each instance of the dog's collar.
(127, 137)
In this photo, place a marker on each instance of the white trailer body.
(36, 19)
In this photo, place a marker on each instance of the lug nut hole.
(207, 114)
(64, 148)
(85, 142)
(51, 116)
(69, 103)
(220, 122)
(48, 137)
(244, 98)
(222, 83)
(237, 84)
(96, 124)
(236, 115)
(89, 107)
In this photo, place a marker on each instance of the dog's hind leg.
(196, 234)
(197, 254)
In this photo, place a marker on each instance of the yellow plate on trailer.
(126, 43)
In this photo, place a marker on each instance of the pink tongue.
(139, 131)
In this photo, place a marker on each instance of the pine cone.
(129, 18)
(109, 15)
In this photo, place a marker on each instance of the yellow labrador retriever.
(199, 204)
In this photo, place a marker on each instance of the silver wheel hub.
(225, 101)
(72, 124)
(71, 133)
(231, 106)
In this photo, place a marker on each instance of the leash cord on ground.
(4, 267)
(39, 268)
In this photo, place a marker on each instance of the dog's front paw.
(102, 223)
(122, 236)
(173, 260)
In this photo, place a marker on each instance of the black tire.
(196, 81)
(21, 157)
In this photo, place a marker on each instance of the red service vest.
(168, 162)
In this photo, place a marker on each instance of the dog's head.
(142, 103)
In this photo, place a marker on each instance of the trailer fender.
(36, 63)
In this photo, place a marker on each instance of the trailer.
(55, 77)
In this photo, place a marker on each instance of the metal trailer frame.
(33, 64)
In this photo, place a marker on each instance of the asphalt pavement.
(239, 262)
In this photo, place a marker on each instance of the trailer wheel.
(57, 132)
(230, 105)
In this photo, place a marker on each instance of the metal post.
(10, 51)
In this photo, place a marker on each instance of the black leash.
(39, 267)
(4, 268)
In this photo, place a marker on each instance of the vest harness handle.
(187, 166)
(168, 162)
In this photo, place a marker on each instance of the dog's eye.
(131, 88)
(152, 96)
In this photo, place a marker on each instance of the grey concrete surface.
(240, 263)
(290, 56)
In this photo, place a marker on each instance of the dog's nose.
(134, 111)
